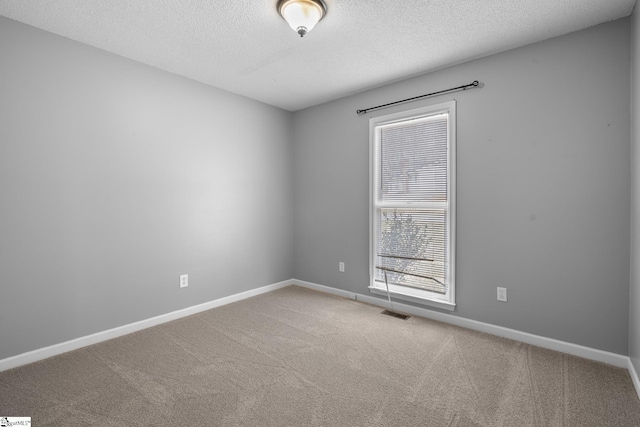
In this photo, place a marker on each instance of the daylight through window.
(413, 190)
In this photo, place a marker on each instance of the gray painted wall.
(115, 178)
(634, 291)
(543, 186)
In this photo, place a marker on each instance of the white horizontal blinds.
(413, 158)
(412, 206)
(411, 247)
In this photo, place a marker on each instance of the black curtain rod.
(471, 85)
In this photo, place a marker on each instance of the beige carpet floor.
(296, 357)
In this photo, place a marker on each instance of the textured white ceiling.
(245, 47)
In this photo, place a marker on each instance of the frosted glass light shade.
(302, 15)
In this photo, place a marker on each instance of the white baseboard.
(550, 343)
(527, 338)
(56, 349)
(634, 376)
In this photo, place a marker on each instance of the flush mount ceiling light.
(302, 15)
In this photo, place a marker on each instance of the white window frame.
(423, 297)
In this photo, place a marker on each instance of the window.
(412, 205)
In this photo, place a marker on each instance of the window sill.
(412, 295)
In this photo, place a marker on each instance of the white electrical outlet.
(184, 280)
(341, 267)
(502, 294)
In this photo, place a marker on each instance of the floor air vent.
(394, 314)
